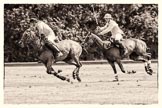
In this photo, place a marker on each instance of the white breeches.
(51, 38)
(117, 37)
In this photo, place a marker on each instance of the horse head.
(93, 40)
(30, 38)
(88, 41)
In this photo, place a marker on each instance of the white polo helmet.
(33, 20)
(107, 16)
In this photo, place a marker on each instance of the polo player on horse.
(113, 27)
(46, 32)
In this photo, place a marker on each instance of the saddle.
(107, 44)
(110, 44)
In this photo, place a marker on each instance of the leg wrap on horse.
(52, 46)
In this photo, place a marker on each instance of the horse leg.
(60, 77)
(114, 69)
(147, 62)
(50, 70)
(47, 59)
(77, 74)
(77, 63)
(74, 73)
(118, 61)
(48, 65)
(148, 68)
(78, 66)
(72, 62)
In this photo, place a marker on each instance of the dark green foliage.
(136, 20)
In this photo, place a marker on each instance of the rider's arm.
(104, 27)
(108, 28)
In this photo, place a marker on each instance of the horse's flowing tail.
(141, 49)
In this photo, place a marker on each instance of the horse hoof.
(149, 72)
(73, 75)
(68, 80)
(79, 80)
(71, 82)
(115, 80)
(129, 72)
(133, 71)
(59, 71)
(123, 71)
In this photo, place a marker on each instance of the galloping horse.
(136, 49)
(71, 52)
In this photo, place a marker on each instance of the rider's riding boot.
(59, 53)
(124, 49)
(54, 48)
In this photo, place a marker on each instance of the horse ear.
(89, 33)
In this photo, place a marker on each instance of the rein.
(99, 44)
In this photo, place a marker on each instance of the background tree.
(70, 21)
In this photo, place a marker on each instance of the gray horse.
(71, 52)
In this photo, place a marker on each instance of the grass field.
(32, 85)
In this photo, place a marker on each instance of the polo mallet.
(94, 14)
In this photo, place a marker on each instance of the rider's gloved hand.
(56, 40)
(111, 40)
(98, 29)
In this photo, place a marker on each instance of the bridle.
(83, 44)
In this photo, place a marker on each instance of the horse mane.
(97, 38)
(30, 32)
(31, 35)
